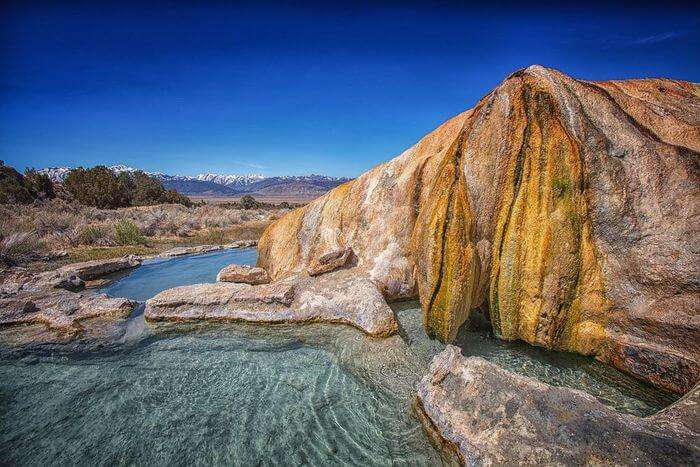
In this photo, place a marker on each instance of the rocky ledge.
(491, 416)
(61, 310)
(244, 274)
(201, 249)
(51, 298)
(338, 297)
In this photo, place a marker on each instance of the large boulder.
(566, 208)
(243, 274)
(340, 297)
(491, 416)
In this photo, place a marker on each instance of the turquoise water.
(154, 276)
(245, 394)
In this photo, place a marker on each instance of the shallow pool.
(249, 394)
(156, 275)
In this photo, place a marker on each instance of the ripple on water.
(246, 394)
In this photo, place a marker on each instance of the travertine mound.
(569, 209)
(491, 416)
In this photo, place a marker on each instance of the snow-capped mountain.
(233, 180)
(212, 184)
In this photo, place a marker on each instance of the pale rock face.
(491, 416)
(567, 208)
(243, 274)
(336, 297)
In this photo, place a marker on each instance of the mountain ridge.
(222, 185)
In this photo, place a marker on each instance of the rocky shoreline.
(489, 415)
(60, 299)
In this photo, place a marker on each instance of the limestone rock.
(72, 277)
(91, 270)
(61, 310)
(330, 261)
(567, 208)
(494, 417)
(190, 250)
(339, 297)
(244, 274)
(242, 244)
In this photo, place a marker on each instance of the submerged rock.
(340, 297)
(243, 274)
(566, 208)
(492, 416)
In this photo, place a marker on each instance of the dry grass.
(30, 232)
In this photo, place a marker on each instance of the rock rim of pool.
(489, 415)
(339, 297)
(202, 249)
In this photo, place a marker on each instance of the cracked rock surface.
(491, 416)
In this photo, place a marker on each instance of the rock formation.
(566, 209)
(330, 262)
(243, 274)
(491, 416)
(337, 297)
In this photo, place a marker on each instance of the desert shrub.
(18, 246)
(147, 190)
(173, 197)
(93, 235)
(13, 187)
(39, 185)
(248, 202)
(102, 188)
(99, 187)
(127, 233)
(55, 222)
(216, 237)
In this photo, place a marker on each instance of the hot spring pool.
(248, 394)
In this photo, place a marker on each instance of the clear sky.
(291, 89)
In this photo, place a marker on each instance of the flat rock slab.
(190, 250)
(243, 274)
(338, 298)
(492, 416)
(61, 310)
(73, 276)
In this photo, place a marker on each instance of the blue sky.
(283, 89)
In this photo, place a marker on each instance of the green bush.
(173, 197)
(128, 233)
(92, 235)
(248, 202)
(18, 189)
(40, 185)
(99, 187)
(102, 188)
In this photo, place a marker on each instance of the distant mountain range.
(222, 185)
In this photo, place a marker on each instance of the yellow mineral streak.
(517, 204)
